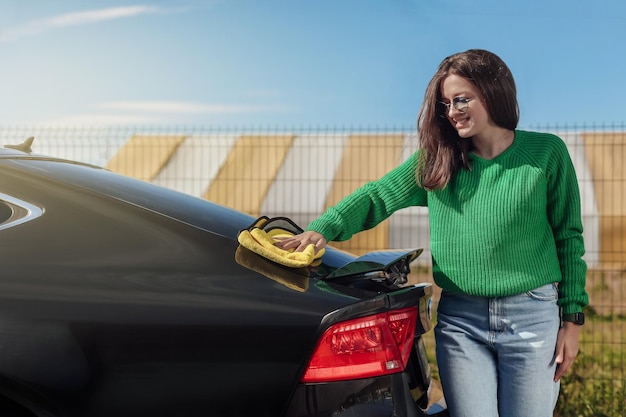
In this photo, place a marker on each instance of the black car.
(122, 298)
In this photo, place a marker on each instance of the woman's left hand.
(566, 348)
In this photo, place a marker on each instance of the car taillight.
(369, 346)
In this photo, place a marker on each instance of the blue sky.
(292, 63)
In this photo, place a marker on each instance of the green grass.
(596, 384)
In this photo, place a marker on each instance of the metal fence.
(299, 172)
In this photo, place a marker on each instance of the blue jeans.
(496, 355)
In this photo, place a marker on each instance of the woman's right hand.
(301, 241)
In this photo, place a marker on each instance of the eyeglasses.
(460, 104)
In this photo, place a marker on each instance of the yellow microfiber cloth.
(262, 235)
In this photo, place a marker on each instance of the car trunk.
(141, 308)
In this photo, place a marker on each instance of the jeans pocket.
(547, 292)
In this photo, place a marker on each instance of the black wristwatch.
(578, 318)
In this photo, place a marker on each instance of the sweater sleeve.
(372, 203)
(564, 214)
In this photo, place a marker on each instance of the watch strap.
(578, 318)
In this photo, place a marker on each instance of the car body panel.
(118, 297)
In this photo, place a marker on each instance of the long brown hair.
(441, 151)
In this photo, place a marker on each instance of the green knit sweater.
(507, 226)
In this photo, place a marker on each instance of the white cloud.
(36, 27)
(150, 113)
(187, 107)
(98, 120)
(153, 112)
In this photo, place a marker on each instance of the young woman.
(506, 240)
